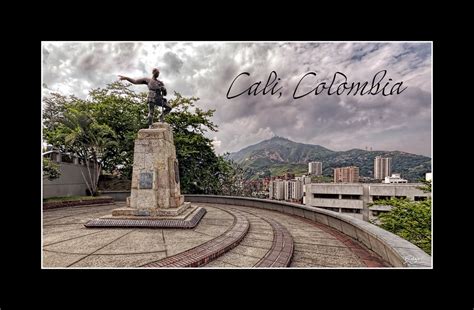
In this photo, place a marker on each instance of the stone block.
(378, 247)
(298, 212)
(309, 215)
(349, 230)
(363, 237)
(335, 223)
(322, 218)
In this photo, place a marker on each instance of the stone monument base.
(189, 217)
(155, 199)
(151, 212)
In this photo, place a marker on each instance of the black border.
(328, 288)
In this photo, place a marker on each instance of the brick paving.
(226, 237)
(318, 245)
(148, 223)
(277, 250)
(210, 250)
(282, 248)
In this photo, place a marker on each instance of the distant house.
(71, 181)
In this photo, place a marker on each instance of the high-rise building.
(293, 190)
(382, 167)
(277, 189)
(289, 190)
(297, 191)
(315, 168)
(346, 175)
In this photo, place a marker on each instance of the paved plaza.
(226, 237)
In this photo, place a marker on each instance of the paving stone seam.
(105, 254)
(210, 250)
(77, 237)
(72, 215)
(92, 253)
(276, 256)
(349, 242)
(62, 231)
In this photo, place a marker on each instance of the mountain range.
(279, 155)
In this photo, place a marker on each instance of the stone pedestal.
(155, 194)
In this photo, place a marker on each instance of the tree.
(426, 187)
(124, 112)
(50, 169)
(116, 106)
(84, 136)
(408, 219)
(201, 170)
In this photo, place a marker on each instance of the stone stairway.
(252, 241)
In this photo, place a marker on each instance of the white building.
(71, 181)
(428, 176)
(277, 189)
(305, 180)
(394, 179)
(315, 168)
(382, 167)
(293, 190)
(354, 199)
(288, 190)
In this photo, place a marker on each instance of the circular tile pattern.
(227, 236)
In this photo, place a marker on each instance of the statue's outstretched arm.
(133, 81)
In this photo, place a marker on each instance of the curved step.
(271, 246)
(281, 251)
(282, 248)
(204, 253)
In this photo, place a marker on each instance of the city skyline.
(206, 69)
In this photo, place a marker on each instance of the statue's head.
(155, 72)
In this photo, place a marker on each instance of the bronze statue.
(155, 94)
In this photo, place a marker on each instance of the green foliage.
(426, 187)
(408, 219)
(115, 106)
(50, 169)
(119, 112)
(79, 132)
(125, 112)
(201, 171)
(322, 179)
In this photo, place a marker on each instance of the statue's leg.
(167, 106)
(150, 113)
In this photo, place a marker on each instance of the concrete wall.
(336, 203)
(116, 195)
(329, 188)
(70, 183)
(408, 190)
(394, 250)
(365, 191)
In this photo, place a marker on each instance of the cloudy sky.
(206, 70)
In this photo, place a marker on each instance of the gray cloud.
(206, 69)
(172, 62)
